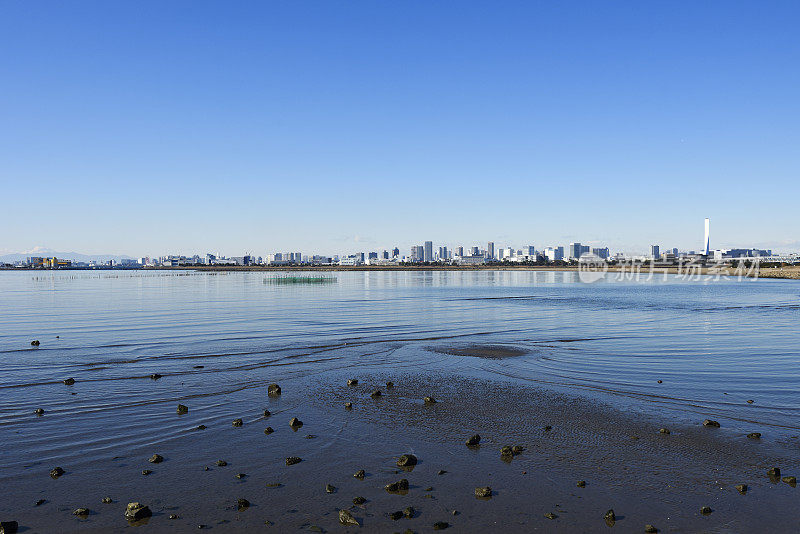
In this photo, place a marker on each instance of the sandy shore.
(579, 459)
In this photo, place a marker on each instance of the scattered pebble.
(754, 435)
(136, 511)
(267, 413)
(360, 474)
(774, 472)
(156, 459)
(40, 502)
(750, 401)
(69, 382)
(173, 516)
(709, 422)
(741, 488)
(400, 485)
(660, 382)
(358, 501)
(650, 529)
(240, 476)
(705, 510)
(550, 515)
(273, 390)
(39, 411)
(182, 409)
(221, 463)
(429, 400)
(346, 518)
(292, 460)
(35, 343)
(548, 428)
(81, 512)
(311, 436)
(155, 376)
(473, 440)
(484, 492)
(330, 488)
(201, 427)
(242, 504)
(407, 460)
(294, 422)
(396, 515)
(441, 472)
(389, 385)
(440, 525)
(56, 472)
(237, 422)
(106, 500)
(409, 512)
(581, 484)
(352, 382)
(790, 480)
(375, 394)
(268, 430)
(146, 472)
(610, 517)
(664, 430)
(348, 405)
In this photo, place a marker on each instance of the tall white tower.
(706, 242)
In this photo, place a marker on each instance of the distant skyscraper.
(459, 251)
(655, 252)
(395, 252)
(528, 250)
(490, 250)
(428, 251)
(575, 250)
(602, 253)
(707, 240)
(475, 251)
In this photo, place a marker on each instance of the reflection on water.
(713, 345)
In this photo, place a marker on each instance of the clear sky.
(147, 128)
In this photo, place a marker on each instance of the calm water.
(714, 344)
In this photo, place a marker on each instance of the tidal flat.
(575, 400)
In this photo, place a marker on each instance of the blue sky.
(182, 127)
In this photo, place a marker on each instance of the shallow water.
(714, 344)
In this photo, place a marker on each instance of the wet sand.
(645, 476)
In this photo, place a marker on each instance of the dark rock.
(360, 474)
(35, 343)
(56, 472)
(400, 485)
(10, 527)
(705, 510)
(429, 488)
(409, 512)
(396, 515)
(106, 500)
(311, 436)
(137, 511)
(660, 382)
(346, 518)
(517, 449)
(273, 390)
(550, 515)
(201, 427)
(407, 460)
(242, 504)
(750, 401)
(330, 488)
(81, 512)
(156, 459)
(483, 492)
(40, 502)
(709, 422)
(182, 409)
(294, 422)
(268, 430)
(352, 382)
(506, 451)
(663, 430)
(429, 400)
(440, 525)
(375, 394)
(774, 472)
(221, 463)
(741, 488)
(292, 460)
(790, 480)
(146, 472)
(581, 484)
(199, 367)
(240, 476)
(237, 422)
(650, 529)
(274, 484)
(358, 501)
(267, 413)
(548, 428)
(754, 435)
(69, 381)
(155, 376)
(348, 405)
(473, 440)
(610, 518)
(173, 516)
(38, 411)
(389, 385)
(441, 472)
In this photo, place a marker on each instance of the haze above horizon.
(147, 128)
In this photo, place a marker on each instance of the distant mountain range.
(74, 256)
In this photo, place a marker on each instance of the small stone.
(40, 502)
(454, 512)
(106, 500)
(81, 512)
(663, 430)
(754, 435)
(292, 460)
(173, 516)
(774, 472)
(346, 518)
(407, 460)
(409, 512)
(242, 504)
(330, 488)
(750, 401)
(741, 488)
(348, 405)
(650, 529)
(429, 488)
(182, 409)
(294, 422)
(352, 382)
(375, 394)
(35, 343)
(581, 484)
(221, 463)
(396, 515)
(56, 472)
(610, 517)
(201, 427)
(38, 411)
(237, 422)
(274, 484)
(790, 480)
(506, 451)
(709, 422)
(440, 525)
(429, 400)
(660, 382)
(146, 472)
(483, 492)
(358, 501)
(9, 527)
(267, 413)
(473, 440)
(441, 472)
(70, 382)
(705, 510)
(389, 385)
(273, 390)
(550, 515)
(517, 449)
(400, 485)
(360, 474)
(240, 476)
(548, 428)
(156, 459)
(155, 376)
(268, 430)
(199, 366)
